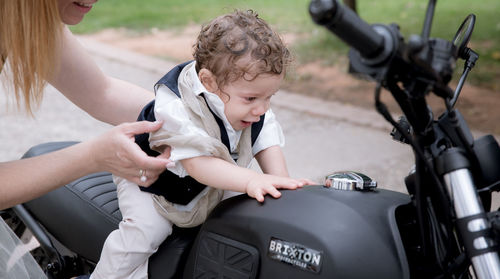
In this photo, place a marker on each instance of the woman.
(37, 48)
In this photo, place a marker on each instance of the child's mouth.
(245, 124)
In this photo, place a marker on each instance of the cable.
(419, 154)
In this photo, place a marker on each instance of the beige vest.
(201, 116)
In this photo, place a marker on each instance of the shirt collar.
(214, 102)
(197, 87)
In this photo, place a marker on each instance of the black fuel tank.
(314, 232)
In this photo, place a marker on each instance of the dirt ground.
(480, 107)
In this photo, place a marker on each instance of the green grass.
(143, 15)
(315, 43)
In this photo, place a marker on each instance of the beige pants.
(142, 229)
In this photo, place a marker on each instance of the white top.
(170, 109)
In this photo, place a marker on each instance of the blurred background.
(312, 43)
(338, 126)
(168, 28)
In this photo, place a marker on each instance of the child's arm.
(272, 161)
(220, 174)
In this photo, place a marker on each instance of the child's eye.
(250, 98)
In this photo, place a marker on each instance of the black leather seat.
(81, 214)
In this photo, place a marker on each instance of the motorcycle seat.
(81, 214)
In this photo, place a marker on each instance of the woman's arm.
(105, 98)
(114, 151)
(220, 174)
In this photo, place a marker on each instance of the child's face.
(246, 100)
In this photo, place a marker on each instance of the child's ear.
(208, 80)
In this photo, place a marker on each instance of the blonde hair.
(228, 38)
(30, 32)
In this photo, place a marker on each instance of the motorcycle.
(346, 228)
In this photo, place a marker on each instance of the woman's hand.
(262, 184)
(116, 151)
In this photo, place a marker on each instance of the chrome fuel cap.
(350, 181)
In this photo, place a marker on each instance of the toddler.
(217, 118)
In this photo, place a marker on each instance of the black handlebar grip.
(344, 23)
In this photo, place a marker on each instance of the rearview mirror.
(463, 35)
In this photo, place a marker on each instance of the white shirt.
(170, 109)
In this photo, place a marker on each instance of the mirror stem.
(428, 20)
(471, 57)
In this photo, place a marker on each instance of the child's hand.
(308, 181)
(263, 184)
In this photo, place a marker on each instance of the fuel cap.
(350, 181)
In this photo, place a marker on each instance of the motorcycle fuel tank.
(314, 232)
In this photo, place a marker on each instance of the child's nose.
(261, 109)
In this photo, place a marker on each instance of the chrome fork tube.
(466, 203)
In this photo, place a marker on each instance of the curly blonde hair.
(30, 32)
(228, 38)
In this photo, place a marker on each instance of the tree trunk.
(351, 4)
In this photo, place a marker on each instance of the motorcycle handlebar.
(344, 23)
